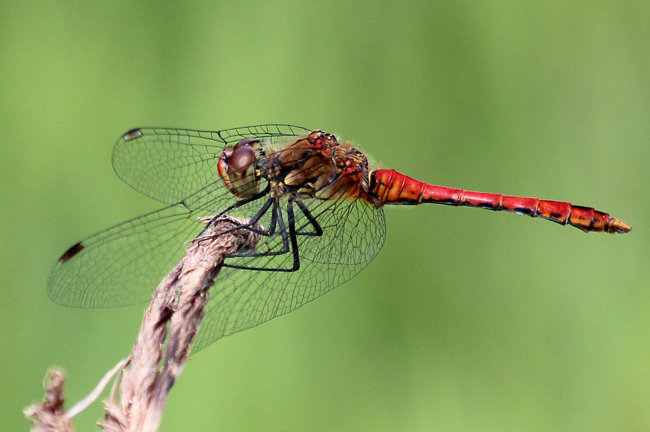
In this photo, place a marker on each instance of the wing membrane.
(123, 264)
(171, 164)
(242, 299)
(120, 266)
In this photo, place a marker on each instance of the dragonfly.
(316, 202)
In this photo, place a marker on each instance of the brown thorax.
(318, 166)
(314, 166)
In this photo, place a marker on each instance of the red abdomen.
(391, 187)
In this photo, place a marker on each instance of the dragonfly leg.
(248, 225)
(276, 218)
(239, 203)
(289, 242)
(318, 231)
(292, 236)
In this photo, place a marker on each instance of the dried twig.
(174, 314)
(50, 416)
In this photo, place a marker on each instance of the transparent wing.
(353, 233)
(171, 164)
(123, 264)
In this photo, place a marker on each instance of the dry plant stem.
(92, 397)
(178, 303)
(50, 416)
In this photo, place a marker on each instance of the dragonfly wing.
(171, 164)
(123, 264)
(234, 135)
(353, 234)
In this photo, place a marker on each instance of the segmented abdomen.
(391, 187)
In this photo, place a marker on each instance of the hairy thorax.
(317, 166)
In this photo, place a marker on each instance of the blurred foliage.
(467, 320)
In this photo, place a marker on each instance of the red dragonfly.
(318, 202)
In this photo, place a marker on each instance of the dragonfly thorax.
(312, 166)
(318, 166)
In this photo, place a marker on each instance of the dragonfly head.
(239, 169)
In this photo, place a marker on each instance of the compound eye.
(245, 142)
(242, 157)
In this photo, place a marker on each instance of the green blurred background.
(467, 320)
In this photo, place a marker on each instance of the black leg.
(289, 243)
(249, 225)
(318, 231)
(276, 216)
(292, 236)
(239, 203)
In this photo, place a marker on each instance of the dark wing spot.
(133, 133)
(74, 250)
